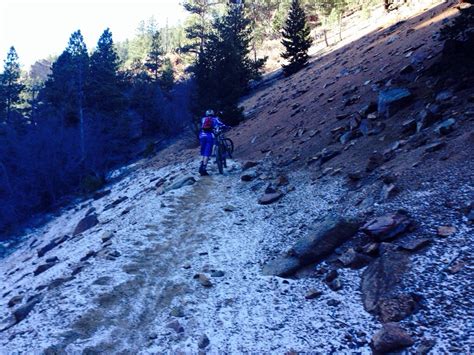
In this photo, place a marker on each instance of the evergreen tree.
(167, 76)
(154, 59)
(296, 39)
(223, 69)
(110, 125)
(10, 86)
(104, 92)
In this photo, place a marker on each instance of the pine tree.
(154, 59)
(223, 69)
(10, 86)
(106, 105)
(167, 76)
(104, 92)
(296, 39)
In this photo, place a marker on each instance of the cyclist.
(206, 137)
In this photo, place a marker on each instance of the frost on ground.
(138, 292)
(174, 265)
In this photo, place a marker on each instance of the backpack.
(208, 124)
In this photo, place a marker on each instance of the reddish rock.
(270, 198)
(387, 227)
(390, 338)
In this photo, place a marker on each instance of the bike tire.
(219, 160)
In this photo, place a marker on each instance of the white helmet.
(209, 113)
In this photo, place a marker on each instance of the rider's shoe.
(202, 170)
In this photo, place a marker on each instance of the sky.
(41, 28)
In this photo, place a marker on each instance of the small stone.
(22, 312)
(355, 176)
(106, 237)
(445, 127)
(312, 294)
(229, 208)
(446, 231)
(375, 160)
(249, 165)
(217, 274)
(417, 244)
(335, 285)
(281, 180)
(177, 312)
(42, 268)
(247, 177)
(425, 346)
(435, 147)
(371, 248)
(388, 191)
(203, 342)
(203, 280)
(270, 198)
(456, 267)
(387, 227)
(176, 326)
(333, 303)
(114, 254)
(14, 301)
(331, 275)
(354, 260)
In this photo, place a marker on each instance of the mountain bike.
(224, 148)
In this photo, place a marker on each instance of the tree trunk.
(325, 32)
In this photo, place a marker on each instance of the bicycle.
(224, 148)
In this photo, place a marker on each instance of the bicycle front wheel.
(219, 159)
(229, 145)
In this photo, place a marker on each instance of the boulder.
(269, 198)
(53, 244)
(186, 181)
(283, 266)
(387, 227)
(85, 224)
(397, 308)
(390, 338)
(392, 100)
(327, 236)
(380, 279)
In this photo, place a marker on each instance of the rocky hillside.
(344, 224)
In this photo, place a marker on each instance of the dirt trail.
(130, 311)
